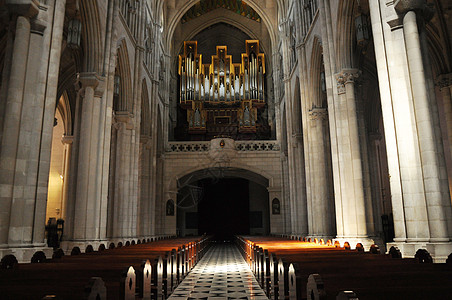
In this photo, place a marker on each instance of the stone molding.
(444, 81)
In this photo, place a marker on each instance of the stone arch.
(92, 35)
(233, 170)
(345, 38)
(172, 24)
(230, 18)
(316, 70)
(123, 103)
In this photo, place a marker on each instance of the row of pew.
(293, 269)
(142, 271)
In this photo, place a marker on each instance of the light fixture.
(362, 28)
(74, 33)
(117, 88)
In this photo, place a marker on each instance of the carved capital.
(347, 76)
(318, 113)
(421, 7)
(39, 22)
(67, 139)
(124, 117)
(444, 81)
(26, 8)
(93, 80)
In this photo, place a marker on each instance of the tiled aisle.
(221, 274)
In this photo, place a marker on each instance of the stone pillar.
(352, 223)
(123, 210)
(87, 212)
(436, 205)
(321, 205)
(67, 141)
(13, 109)
(144, 211)
(444, 82)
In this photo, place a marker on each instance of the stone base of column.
(24, 253)
(325, 238)
(438, 251)
(353, 241)
(67, 246)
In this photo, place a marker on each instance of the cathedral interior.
(232, 131)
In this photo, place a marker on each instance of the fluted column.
(87, 213)
(321, 206)
(351, 225)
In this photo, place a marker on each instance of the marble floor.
(221, 274)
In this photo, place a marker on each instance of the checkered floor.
(221, 274)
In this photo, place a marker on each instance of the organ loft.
(150, 146)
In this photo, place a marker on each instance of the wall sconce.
(74, 33)
(322, 82)
(362, 29)
(117, 87)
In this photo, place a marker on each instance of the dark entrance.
(224, 208)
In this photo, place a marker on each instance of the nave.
(221, 274)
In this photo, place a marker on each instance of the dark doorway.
(224, 208)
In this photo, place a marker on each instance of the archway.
(223, 202)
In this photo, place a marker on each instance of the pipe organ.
(222, 92)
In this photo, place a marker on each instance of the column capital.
(444, 81)
(318, 113)
(26, 8)
(347, 76)
(419, 6)
(124, 117)
(67, 139)
(93, 80)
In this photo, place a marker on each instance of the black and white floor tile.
(221, 274)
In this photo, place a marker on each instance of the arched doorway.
(223, 202)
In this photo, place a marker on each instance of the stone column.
(122, 194)
(444, 82)
(321, 205)
(67, 141)
(9, 145)
(351, 208)
(144, 211)
(436, 205)
(87, 212)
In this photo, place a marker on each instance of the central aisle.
(221, 274)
